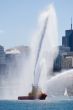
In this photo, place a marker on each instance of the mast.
(71, 23)
(65, 92)
(40, 44)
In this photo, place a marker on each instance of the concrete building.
(2, 55)
(67, 61)
(59, 59)
(2, 60)
(57, 63)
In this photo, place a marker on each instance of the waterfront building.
(2, 60)
(2, 55)
(16, 58)
(67, 61)
(67, 40)
(57, 63)
(64, 59)
(59, 59)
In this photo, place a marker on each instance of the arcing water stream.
(38, 68)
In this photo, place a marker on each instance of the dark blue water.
(37, 105)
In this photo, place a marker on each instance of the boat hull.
(41, 97)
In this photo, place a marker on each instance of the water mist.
(20, 82)
(56, 85)
(49, 50)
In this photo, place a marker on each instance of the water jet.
(47, 48)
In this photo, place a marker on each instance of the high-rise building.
(64, 59)
(2, 60)
(2, 55)
(59, 59)
(67, 40)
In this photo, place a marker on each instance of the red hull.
(34, 94)
(41, 97)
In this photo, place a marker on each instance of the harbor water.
(37, 105)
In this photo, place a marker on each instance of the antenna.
(71, 23)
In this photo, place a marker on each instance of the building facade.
(67, 40)
(2, 60)
(64, 59)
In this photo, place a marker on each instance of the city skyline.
(18, 19)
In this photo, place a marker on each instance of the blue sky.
(18, 19)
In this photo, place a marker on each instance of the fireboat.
(36, 93)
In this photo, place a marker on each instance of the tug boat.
(33, 95)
